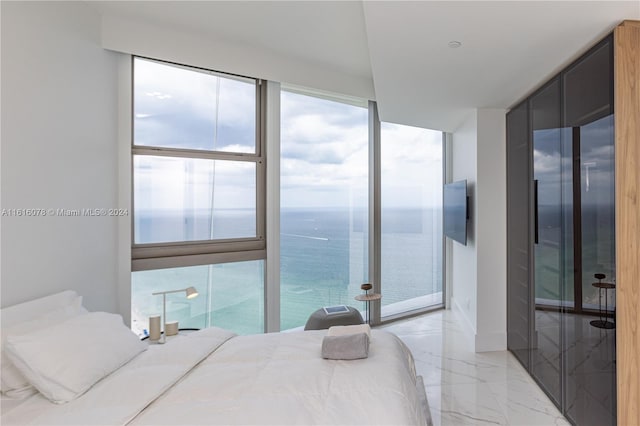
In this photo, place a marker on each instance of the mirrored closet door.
(589, 329)
(552, 231)
(561, 244)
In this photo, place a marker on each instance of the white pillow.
(63, 361)
(34, 308)
(13, 383)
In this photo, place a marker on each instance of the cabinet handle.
(535, 211)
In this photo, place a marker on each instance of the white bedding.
(214, 377)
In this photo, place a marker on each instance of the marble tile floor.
(468, 388)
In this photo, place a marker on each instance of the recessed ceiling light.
(454, 44)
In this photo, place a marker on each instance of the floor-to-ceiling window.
(324, 203)
(411, 200)
(325, 178)
(199, 202)
(198, 197)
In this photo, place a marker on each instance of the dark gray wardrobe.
(561, 237)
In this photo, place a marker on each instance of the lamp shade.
(191, 293)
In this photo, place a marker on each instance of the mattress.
(215, 377)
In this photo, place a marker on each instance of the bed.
(211, 376)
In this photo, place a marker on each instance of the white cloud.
(324, 147)
(325, 157)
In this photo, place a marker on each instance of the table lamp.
(190, 292)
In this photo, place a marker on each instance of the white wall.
(59, 151)
(463, 261)
(491, 231)
(478, 270)
(161, 42)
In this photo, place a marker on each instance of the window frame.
(146, 256)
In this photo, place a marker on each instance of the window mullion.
(375, 209)
(186, 153)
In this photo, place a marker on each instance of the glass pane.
(178, 107)
(183, 199)
(590, 335)
(230, 296)
(411, 179)
(324, 201)
(552, 169)
(519, 303)
(598, 208)
(591, 374)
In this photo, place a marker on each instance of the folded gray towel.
(339, 330)
(348, 346)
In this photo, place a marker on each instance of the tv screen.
(455, 211)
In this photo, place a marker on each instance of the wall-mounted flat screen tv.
(455, 211)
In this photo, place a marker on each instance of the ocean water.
(324, 260)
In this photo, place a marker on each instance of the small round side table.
(602, 322)
(367, 298)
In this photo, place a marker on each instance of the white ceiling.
(508, 47)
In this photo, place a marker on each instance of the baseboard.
(490, 342)
(480, 342)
